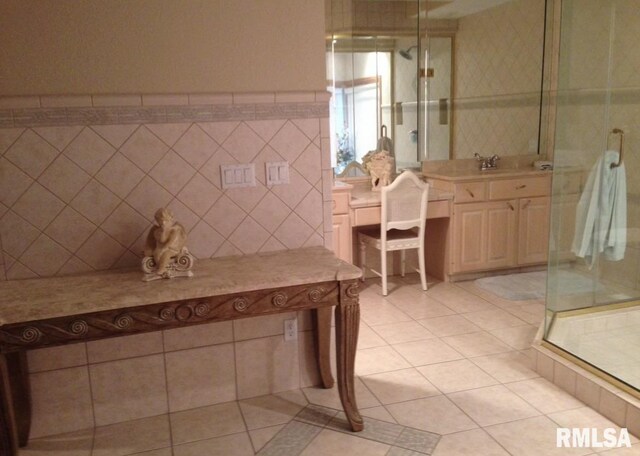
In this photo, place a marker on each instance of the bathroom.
(109, 110)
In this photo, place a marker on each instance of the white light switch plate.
(277, 173)
(235, 176)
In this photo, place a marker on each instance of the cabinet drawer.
(470, 192)
(341, 203)
(366, 216)
(519, 188)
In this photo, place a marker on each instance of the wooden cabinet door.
(342, 237)
(502, 232)
(470, 228)
(484, 236)
(533, 236)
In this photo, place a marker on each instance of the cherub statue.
(165, 253)
(380, 166)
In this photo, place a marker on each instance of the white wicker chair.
(402, 225)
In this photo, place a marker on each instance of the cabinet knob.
(510, 206)
(470, 193)
(520, 187)
(524, 206)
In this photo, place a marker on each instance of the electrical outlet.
(291, 329)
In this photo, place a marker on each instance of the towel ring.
(617, 131)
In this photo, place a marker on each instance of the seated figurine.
(165, 253)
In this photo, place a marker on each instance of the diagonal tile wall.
(78, 189)
(79, 198)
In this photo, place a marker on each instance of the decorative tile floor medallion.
(305, 427)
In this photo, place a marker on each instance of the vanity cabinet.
(484, 235)
(342, 224)
(533, 234)
(498, 222)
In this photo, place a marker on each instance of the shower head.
(406, 53)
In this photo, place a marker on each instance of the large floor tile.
(434, 414)
(229, 445)
(271, 410)
(532, 437)
(427, 352)
(518, 337)
(368, 338)
(421, 307)
(73, 444)
(132, 437)
(449, 325)
(206, 422)
(493, 319)
(401, 385)
(382, 314)
(407, 331)
(260, 437)
(457, 375)
(507, 367)
(330, 397)
(493, 405)
(379, 359)
(544, 395)
(476, 344)
(458, 299)
(469, 443)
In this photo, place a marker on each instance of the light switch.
(235, 176)
(277, 173)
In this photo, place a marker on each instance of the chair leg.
(423, 273)
(403, 262)
(383, 270)
(363, 253)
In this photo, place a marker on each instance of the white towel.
(601, 215)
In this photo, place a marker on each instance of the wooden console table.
(45, 312)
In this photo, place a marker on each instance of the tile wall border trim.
(39, 111)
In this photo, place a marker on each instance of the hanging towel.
(601, 215)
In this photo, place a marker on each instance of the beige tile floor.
(454, 361)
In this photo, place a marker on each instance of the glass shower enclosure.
(593, 286)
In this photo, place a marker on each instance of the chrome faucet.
(487, 162)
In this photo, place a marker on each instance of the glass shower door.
(593, 297)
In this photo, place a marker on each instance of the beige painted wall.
(160, 46)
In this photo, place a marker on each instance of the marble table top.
(44, 298)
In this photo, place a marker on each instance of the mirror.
(442, 81)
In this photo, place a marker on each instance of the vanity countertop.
(368, 198)
(340, 185)
(462, 175)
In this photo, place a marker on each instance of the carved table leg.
(347, 326)
(322, 333)
(21, 393)
(8, 430)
